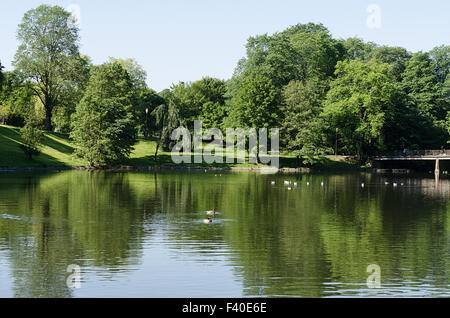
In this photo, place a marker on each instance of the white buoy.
(394, 184)
(273, 182)
(362, 185)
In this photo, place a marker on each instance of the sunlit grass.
(58, 151)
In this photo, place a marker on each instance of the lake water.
(141, 234)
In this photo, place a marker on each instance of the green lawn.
(58, 151)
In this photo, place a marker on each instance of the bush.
(31, 135)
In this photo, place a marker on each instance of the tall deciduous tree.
(422, 82)
(359, 101)
(165, 119)
(102, 127)
(256, 104)
(303, 129)
(48, 48)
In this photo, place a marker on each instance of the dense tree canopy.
(302, 80)
(48, 54)
(359, 101)
(102, 127)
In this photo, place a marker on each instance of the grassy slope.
(57, 151)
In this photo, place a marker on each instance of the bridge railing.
(414, 153)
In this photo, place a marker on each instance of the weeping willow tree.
(166, 118)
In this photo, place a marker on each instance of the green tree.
(72, 92)
(303, 129)
(137, 73)
(31, 135)
(422, 83)
(146, 101)
(441, 57)
(165, 119)
(203, 99)
(46, 54)
(318, 54)
(143, 99)
(102, 126)
(257, 103)
(356, 48)
(396, 57)
(358, 103)
(16, 99)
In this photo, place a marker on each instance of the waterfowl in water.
(273, 182)
(212, 212)
(207, 221)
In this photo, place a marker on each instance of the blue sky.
(177, 40)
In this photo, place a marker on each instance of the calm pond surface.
(141, 234)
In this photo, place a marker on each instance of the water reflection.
(145, 233)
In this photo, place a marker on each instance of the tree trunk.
(358, 150)
(48, 118)
(156, 152)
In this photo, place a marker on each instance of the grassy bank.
(57, 151)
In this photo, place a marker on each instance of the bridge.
(436, 155)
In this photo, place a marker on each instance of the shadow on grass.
(49, 141)
(13, 156)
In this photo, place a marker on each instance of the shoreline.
(155, 168)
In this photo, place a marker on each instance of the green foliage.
(421, 83)
(303, 130)
(72, 92)
(136, 72)
(396, 57)
(103, 126)
(441, 57)
(257, 103)
(47, 52)
(203, 99)
(358, 103)
(165, 119)
(318, 54)
(301, 80)
(356, 48)
(146, 100)
(31, 135)
(16, 99)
